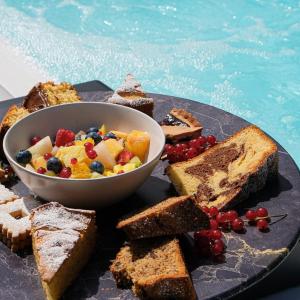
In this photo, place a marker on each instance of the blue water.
(241, 56)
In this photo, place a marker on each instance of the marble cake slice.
(174, 215)
(154, 269)
(228, 172)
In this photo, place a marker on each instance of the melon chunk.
(104, 155)
(42, 147)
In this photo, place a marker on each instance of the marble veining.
(248, 258)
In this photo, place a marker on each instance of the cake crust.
(174, 215)
(228, 172)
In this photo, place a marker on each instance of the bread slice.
(174, 215)
(62, 240)
(228, 172)
(154, 268)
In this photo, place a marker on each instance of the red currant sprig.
(189, 149)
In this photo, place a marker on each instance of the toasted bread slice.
(62, 240)
(174, 215)
(154, 268)
(228, 172)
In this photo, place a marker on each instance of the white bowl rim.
(104, 178)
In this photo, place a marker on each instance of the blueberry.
(111, 135)
(54, 164)
(95, 136)
(23, 157)
(96, 166)
(92, 129)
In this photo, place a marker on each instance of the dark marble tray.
(249, 257)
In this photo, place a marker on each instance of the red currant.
(181, 147)
(192, 152)
(194, 143)
(201, 233)
(215, 234)
(91, 154)
(34, 140)
(74, 161)
(211, 139)
(8, 170)
(100, 132)
(237, 224)
(47, 156)
(213, 224)
(217, 248)
(262, 224)
(201, 149)
(213, 211)
(168, 148)
(65, 172)
(251, 215)
(41, 170)
(231, 215)
(220, 218)
(262, 212)
(120, 172)
(201, 140)
(88, 146)
(69, 144)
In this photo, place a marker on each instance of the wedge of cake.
(180, 124)
(174, 215)
(62, 240)
(154, 269)
(48, 94)
(228, 172)
(131, 94)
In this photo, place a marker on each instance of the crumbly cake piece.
(174, 215)
(48, 94)
(62, 240)
(154, 269)
(131, 94)
(180, 124)
(14, 114)
(228, 172)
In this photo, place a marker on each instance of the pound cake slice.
(228, 172)
(174, 215)
(131, 94)
(154, 269)
(48, 94)
(62, 240)
(179, 125)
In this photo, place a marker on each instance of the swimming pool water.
(241, 56)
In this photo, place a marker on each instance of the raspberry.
(64, 136)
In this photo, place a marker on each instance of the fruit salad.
(93, 153)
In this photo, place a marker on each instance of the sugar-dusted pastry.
(154, 269)
(131, 94)
(179, 125)
(228, 172)
(62, 240)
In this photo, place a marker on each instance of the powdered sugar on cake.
(6, 195)
(130, 85)
(54, 248)
(55, 216)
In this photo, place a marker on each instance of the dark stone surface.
(249, 257)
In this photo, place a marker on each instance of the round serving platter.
(249, 257)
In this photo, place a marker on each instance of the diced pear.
(50, 173)
(29, 167)
(104, 155)
(114, 147)
(129, 167)
(138, 143)
(41, 147)
(108, 173)
(135, 160)
(96, 175)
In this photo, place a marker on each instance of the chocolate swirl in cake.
(36, 99)
(171, 120)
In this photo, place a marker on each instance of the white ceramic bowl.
(84, 193)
